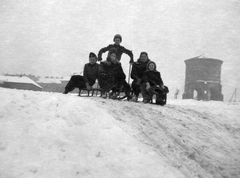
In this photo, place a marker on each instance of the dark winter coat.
(138, 69)
(108, 69)
(110, 74)
(90, 73)
(119, 51)
(153, 77)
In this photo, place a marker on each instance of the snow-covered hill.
(45, 135)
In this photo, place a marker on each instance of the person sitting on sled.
(151, 79)
(119, 49)
(138, 68)
(112, 77)
(90, 74)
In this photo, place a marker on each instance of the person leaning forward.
(112, 77)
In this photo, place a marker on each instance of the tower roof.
(203, 58)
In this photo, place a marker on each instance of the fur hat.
(117, 36)
(91, 54)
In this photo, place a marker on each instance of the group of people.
(111, 77)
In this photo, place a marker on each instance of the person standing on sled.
(90, 74)
(112, 77)
(151, 78)
(118, 48)
(138, 68)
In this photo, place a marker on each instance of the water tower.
(203, 79)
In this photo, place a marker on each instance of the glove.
(147, 86)
(99, 58)
(88, 86)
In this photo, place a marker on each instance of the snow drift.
(54, 135)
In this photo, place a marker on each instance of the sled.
(159, 94)
(107, 94)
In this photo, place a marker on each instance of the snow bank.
(54, 135)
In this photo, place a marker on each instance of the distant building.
(58, 85)
(54, 85)
(203, 79)
(15, 82)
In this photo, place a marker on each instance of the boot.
(65, 92)
(129, 97)
(135, 98)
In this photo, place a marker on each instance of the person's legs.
(136, 88)
(70, 85)
(125, 87)
(122, 86)
(106, 85)
(136, 91)
(146, 95)
(76, 81)
(127, 90)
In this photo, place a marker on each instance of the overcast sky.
(54, 37)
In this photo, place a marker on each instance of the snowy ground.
(44, 135)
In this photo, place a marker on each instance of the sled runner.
(91, 92)
(109, 92)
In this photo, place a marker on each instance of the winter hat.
(143, 53)
(139, 59)
(150, 63)
(117, 36)
(91, 54)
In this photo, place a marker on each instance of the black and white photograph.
(119, 89)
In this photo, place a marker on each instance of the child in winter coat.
(118, 48)
(90, 74)
(111, 75)
(151, 78)
(138, 68)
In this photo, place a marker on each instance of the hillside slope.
(54, 135)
